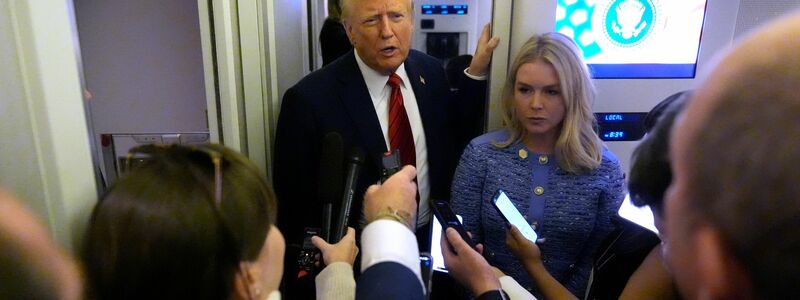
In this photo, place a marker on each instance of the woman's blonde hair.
(578, 148)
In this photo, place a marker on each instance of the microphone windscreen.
(331, 171)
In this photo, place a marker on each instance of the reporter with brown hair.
(189, 222)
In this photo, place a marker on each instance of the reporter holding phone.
(195, 222)
(549, 161)
(530, 256)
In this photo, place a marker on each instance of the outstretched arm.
(389, 248)
(530, 256)
(336, 280)
(483, 53)
(466, 265)
(344, 251)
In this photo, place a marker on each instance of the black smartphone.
(507, 209)
(446, 217)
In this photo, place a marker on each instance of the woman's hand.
(345, 250)
(525, 250)
(531, 257)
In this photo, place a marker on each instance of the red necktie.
(400, 136)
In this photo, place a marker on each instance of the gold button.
(538, 191)
(523, 153)
(543, 159)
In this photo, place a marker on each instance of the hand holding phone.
(446, 216)
(525, 250)
(507, 209)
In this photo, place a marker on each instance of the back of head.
(31, 265)
(163, 231)
(650, 173)
(745, 158)
(578, 148)
(334, 9)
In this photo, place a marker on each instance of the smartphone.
(512, 215)
(446, 216)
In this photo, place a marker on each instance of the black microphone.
(356, 158)
(330, 178)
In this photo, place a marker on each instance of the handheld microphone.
(356, 158)
(330, 177)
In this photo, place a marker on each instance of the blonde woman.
(549, 161)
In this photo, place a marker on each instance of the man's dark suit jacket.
(391, 280)
(336, 99)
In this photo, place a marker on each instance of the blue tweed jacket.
(577, 210)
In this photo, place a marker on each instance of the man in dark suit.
(354, 97)
(390, 258)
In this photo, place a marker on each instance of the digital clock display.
(620, 126)
(457, 9)
(611, 135)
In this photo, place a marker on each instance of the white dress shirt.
(380, 93)
(390, 241)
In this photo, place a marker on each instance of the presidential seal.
(624, 24)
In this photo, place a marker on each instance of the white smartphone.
(512, 215)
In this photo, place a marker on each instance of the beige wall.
(44, 153)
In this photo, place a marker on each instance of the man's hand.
(394, 199)
(343, 251)
(466, 265)
(483, 53)
(525, 250)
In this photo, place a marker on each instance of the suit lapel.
(417, 76)
(358, 104)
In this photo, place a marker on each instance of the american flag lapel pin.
(421, 79)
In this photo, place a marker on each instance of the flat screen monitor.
(635, 38)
